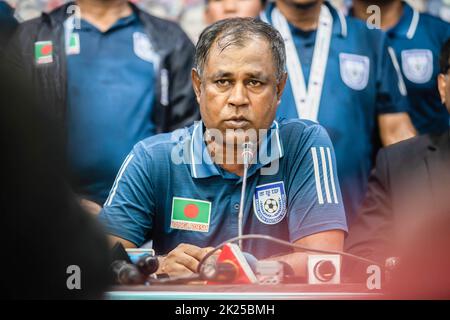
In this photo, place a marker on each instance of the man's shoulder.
(163, 144)
(406, 152)
(432, 21)
(357, 27)
(169, 32)
(300, 133)
(299, 126)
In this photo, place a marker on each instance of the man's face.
(444, 88)
(223, 9)
(238, 89)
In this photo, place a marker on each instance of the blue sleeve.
(391, 88)
(128, 211)
(314, 196)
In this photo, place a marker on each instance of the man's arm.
(328, 240)
(392, 97)
(316, 214)
(184, 109)
(395, 127)
(370, 234)
(90, 206)
(127, 244)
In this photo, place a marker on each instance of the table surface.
(243, 292)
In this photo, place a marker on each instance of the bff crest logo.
(354, 70)
(417, 65)
(269, 202)
(143, 48)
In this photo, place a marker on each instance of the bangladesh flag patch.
(190, 214)
(43, 52)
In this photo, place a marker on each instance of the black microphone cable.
(285, 243)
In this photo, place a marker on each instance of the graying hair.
(238, 31)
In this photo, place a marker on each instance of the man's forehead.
(254, 53)
(252, 73)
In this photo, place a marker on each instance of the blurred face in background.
(444, 87)
(223, 9)
(301, 4)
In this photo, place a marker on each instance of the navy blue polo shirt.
(292, 191)
(349, 106)
(417, 40)
(110, 90)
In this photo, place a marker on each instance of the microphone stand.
(247, 155)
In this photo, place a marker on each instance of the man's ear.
(280, 86)
(442, 87)
(196, 83)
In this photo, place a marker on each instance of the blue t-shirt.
(110, 88)
(292, 191)
(417, 40)
(351, 99)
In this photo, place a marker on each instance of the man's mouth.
(237, 123)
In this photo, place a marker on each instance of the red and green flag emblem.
(43, 52)
(190, 214)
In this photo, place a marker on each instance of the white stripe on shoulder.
(317, 175)
(119, 176)
(325, 174)
(333, 186)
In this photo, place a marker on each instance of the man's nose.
(238, 96)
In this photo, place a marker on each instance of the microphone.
(147, 264)
(247, 155)
(247, 152)
(232, 266)
(125, 273)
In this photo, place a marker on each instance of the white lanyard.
(307, 100)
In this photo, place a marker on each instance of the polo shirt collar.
(339, 22)
(407, 25)
(202, 166)
(120, 23)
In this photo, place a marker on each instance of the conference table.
(244, 292)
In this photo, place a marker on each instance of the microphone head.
(251, 260)
(125, 273)
(147, 264)
(248, 152)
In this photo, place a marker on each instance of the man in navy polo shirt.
(182, 190)
(417, 39)
(112, 75)
(341, 76)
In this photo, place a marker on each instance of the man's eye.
(254, 83)
(222, 82)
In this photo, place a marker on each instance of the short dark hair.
(444, 63)
(238, 31)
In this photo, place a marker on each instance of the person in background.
(8, 23)
(342, 76)
(417, 39)
(411, 181)
(111, 75)
(216, 10)
(51, 247)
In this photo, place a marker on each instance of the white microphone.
(247, 155)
